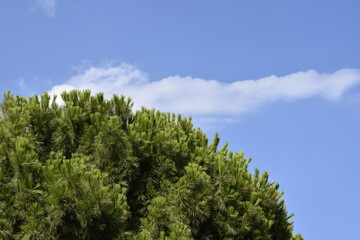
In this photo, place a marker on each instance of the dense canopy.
(93, 169)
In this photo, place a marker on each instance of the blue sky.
(277, 79)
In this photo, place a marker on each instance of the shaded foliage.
(93, 169)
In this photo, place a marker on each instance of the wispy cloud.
(49, 6)
(21, 83)
(203, 97)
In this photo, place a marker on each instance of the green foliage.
(93, 169)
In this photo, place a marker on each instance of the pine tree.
(94, 169)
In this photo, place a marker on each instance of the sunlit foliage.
(94, 169)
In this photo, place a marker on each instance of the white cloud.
(198, 96)
(49, 6)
